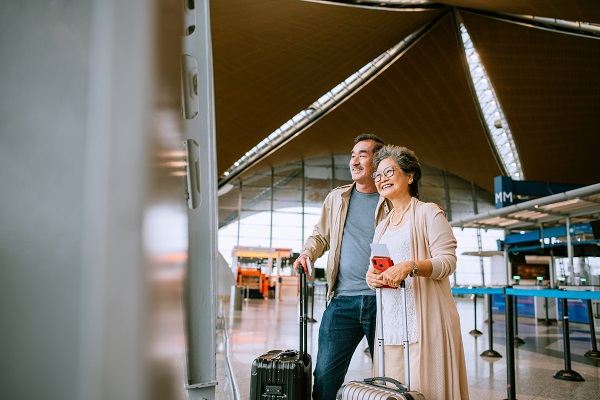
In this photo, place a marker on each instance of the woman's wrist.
(414, 269)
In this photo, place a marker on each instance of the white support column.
(78, 92)
(201, 301)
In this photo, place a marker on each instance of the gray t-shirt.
(355, 254)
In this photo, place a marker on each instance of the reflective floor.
(263, 325)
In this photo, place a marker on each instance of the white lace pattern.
(398, 243)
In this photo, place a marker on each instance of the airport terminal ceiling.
(274, 58)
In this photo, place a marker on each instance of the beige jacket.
(327, 234)
(442, 369)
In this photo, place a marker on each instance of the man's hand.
(304, 261)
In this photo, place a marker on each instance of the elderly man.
(346, 227)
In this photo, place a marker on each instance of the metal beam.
(533, 205)
(575, 28)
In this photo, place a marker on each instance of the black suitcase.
(285, 374)
(376, 388)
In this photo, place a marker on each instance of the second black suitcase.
(285, 374)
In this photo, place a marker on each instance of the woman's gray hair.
(406, 159)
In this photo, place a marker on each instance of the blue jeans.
(346, 320)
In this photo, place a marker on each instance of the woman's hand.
(374, 278)
(394, 275)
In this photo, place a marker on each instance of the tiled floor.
(263, 325)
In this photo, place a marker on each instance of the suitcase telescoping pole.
(380, 344)
(303, 312)
(405, 336)
(380, 340)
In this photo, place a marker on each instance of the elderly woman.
(423, 248)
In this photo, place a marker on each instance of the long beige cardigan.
(442, 369)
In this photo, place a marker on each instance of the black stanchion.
(517, 339)
(511, 388)
(567, 374)
(475, 332)
(593, 353)
(547, 322)
(490, 352)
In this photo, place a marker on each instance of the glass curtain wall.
(278, 208)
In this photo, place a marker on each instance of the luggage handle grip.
(401, 387)
(285, 353)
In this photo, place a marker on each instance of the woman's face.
(391, 181)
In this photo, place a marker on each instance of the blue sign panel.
(577, 310)
(525, 305)
(508, 191)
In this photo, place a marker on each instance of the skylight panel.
(490, 107)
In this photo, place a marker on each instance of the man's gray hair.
(369, 136)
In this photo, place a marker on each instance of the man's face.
(361, 161)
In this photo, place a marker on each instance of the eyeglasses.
(388, 172)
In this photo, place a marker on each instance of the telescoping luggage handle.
(405, 335)
(303, 310)
(380, 341)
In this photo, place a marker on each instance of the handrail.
(236, 390)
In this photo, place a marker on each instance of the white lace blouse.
(398, 243)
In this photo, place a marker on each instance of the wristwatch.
(415, 270)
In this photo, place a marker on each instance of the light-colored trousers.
(394, 364)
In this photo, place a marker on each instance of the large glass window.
(468, 267)
(279, 208)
